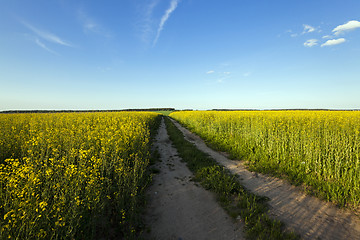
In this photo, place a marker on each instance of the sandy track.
(308, 216)
(178, 208)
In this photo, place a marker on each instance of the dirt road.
(178, 208)
(306, 215)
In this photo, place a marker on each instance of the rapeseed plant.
(319, 149)
(62, 175)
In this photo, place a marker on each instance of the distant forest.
(71, 111)
(167, 109)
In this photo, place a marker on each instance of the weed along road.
(178, 207)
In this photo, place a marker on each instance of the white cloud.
(291, 33)
(311, 43)
(223, 76)
(42, 45)
(333, 42)
(326, 37)
(146, 23)
(150, 8)
(308, 29)
(50, 37)
(210, 72)
(165, 17)
(350, 25)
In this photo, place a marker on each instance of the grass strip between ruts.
(233, 197)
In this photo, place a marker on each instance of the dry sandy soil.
(179, 209)
(308, 216)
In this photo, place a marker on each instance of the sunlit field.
(72, 175)
(319, 149)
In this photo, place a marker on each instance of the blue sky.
(199, 54)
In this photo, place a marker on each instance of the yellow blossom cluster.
(320, 149)
(62, 174)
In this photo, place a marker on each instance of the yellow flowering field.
(319, 149)
(72, 175)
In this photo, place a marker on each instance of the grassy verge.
(234, 198)
(165, 113)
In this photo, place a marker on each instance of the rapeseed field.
(317, 149)
(72, 175)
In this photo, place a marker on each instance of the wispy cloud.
(308, 29)
(218, 76)
(42, 45)
(50, 37)
(333, 42)
(289, 31)
(90, 25)
(146, 23)
(165, 17)
(221, 77)
(350, 25)
(311, 43)
(150, 8)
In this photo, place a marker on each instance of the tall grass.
(319, 149)
(72, 175)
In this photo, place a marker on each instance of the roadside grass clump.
(233, 197)
(317, 149)
(73, 175)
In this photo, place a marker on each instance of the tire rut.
(180, 209)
